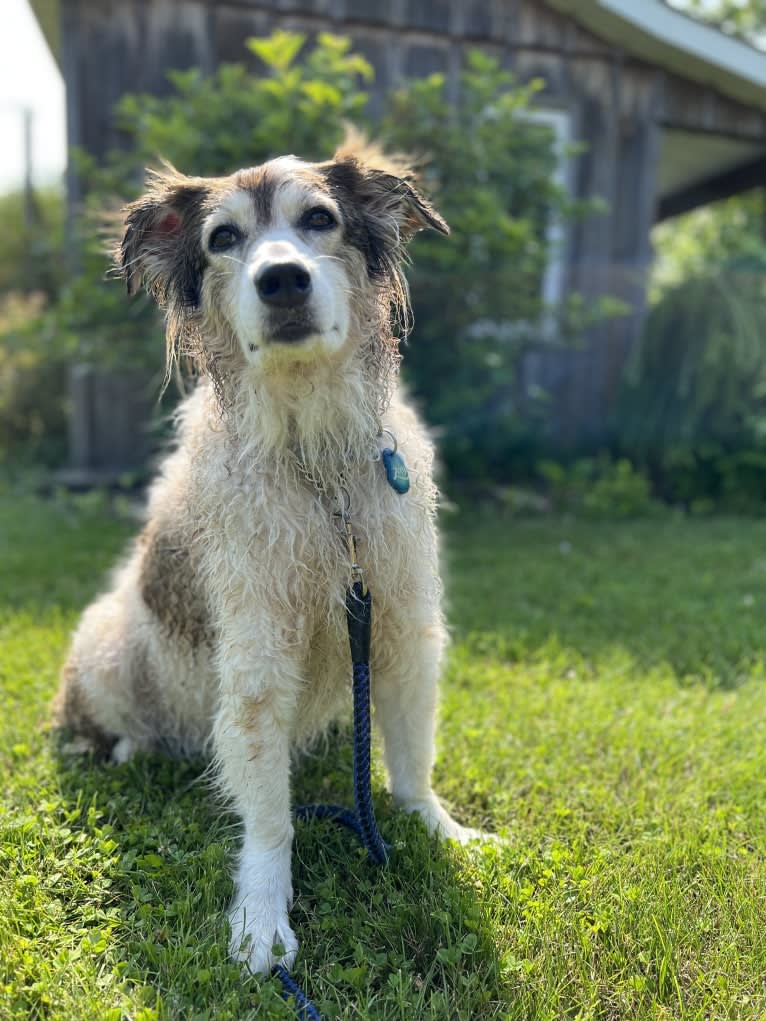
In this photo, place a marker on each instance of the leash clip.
(357, 572)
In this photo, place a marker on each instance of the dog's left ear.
(161, 241)
(391, 194)
(384, 187)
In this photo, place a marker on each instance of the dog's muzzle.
(285, 288)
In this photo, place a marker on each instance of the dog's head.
(277, 264)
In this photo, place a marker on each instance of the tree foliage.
(700, 373)
(32, 371)
(32, 239)
(297, 102)
(744, 18)
(693, 408)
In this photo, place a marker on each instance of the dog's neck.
(316, 421)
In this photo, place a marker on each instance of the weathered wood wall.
(617, 107)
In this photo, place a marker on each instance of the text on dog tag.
(396, 471)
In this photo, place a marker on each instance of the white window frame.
(553, 284)
(560, 123)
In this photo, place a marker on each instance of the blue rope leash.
(306, 1009)
(362, 821)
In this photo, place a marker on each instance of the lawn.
(604, 708)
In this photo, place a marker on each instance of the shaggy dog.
(225, 631)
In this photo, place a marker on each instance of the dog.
(224, 631)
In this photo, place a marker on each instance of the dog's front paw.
(439, 821)
(260, 930)
(261, 936)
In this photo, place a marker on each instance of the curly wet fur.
(224, 630)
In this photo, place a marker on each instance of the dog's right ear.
(161, 240)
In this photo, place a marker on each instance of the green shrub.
(707, 476)
(618, 491)
(33, 364)
(693, 407)
(30, 257)
(477, 297)
(598, 488)
(32, 385)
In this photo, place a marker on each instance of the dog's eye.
(318, 219)
(223, 238)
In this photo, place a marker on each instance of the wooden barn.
(672, 113)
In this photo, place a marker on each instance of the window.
(559, 123)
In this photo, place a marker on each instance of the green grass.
(604, 708)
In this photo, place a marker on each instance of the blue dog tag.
(396, 471)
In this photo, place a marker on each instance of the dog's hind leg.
(126, 748)
(73, 712)
(109, 695)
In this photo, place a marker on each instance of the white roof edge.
(670, 38)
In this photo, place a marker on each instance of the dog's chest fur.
(226, 532)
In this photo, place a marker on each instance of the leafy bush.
(32, 363)
(30, 258)
(32, 384)
(705, 477)
(488, 168)
(598, 488)
(693, 407)
(477, 297)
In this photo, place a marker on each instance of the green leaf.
(279, 50)
(150, 861)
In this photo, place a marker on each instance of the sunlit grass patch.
(603, 710)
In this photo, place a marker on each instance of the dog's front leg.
(260, 679)
(405, 696)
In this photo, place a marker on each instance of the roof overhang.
(652, 31)
(48, 16)
(695, 167)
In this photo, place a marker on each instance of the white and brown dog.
(224, 632)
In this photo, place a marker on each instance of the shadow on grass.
(412, 939)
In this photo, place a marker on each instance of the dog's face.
(275, 269)
(279, 263)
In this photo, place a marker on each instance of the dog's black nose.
(285, 284)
